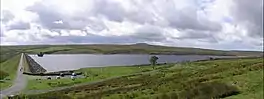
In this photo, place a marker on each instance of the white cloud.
(77, 33)
(218, 10)
(191, 23)
(58, 22)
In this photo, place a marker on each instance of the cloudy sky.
(214, 24)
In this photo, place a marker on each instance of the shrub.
(163, 96)
(3, 75)
(209, 90)
(173, 95)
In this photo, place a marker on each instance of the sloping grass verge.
(10, 66)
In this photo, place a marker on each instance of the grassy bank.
(10, 66)
(7, 53)
(90, 74)
(25, 65)
(233, 79)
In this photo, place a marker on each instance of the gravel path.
(19, 83)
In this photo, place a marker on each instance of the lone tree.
(153, 61)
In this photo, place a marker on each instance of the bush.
(3, 75)
(209, 90)
(162, 96)
(173, 95)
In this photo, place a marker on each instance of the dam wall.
(33, 66)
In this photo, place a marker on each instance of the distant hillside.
(140, 48)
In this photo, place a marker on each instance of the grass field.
(10, 66)
(232, 79)
(89, 74)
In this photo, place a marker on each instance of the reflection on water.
(58, 62)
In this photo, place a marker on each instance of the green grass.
(3, 74)
(251, 85)
(116, 70)
(10, 66)
(91, 74)
(7, 53)
(233, 79)
(49, 49)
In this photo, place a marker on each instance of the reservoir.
(59, 62)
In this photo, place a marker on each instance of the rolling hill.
(139, 48)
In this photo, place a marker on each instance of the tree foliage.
(153, 61)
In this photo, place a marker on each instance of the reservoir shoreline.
(62, 62)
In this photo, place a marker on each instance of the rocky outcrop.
(33, 66)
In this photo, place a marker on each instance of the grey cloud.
(48, 17)
(149, 33)
(19, 26)
(183, 20)
(2, 33)
(6, 16)
(250, 14)
(97, 25)
(141, 17)
(188, 19)
(143, 14)
(113, 10)
(259, 44)
(152, 12)
(204, 36)
(32, 37)
(90, 39)
(145, 34)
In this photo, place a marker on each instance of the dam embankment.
(31, 66)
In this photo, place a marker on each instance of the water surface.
(59, 62)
